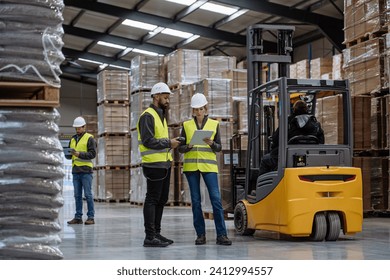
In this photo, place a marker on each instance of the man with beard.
(155, 146)
(83, 150)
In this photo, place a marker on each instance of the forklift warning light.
(299, 160)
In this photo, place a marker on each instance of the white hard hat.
(198, 100)
(79, 122)
(160, 88)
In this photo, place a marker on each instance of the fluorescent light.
(90, 61)
(218, 9)
(193, 38)
(119, 67)
(139, 24)
(183, 2)
(177, 33)
(145, 52)
(102, 43)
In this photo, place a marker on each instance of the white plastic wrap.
(31, 172)
(31, 46)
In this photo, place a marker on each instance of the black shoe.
(75, 221)
(223, 240)
(200, 240)
(164, 239)
(155, 243)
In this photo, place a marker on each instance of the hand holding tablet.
(199, 135)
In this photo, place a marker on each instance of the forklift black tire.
(319, 228)
(241, 220)
(333, 225)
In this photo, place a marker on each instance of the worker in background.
(299, 123)
(83, 150)
(155, 146)
(202, 160)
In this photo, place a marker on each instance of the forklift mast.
(260, 52)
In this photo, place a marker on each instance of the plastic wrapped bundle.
(31, 173)
(31, 46)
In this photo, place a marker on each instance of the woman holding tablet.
(200, 159)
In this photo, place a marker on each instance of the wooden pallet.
(26, 94)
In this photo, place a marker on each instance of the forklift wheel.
(334, 226)
(241, 220)
(319, 227)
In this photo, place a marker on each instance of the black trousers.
(157, 180)
(269, 163)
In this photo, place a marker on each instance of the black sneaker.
(89, 221)
(155, 243)
(75, 221)
(223, 240)
(200, 240)
(164, 239)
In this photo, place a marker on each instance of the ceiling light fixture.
(177, 33)
(144, 52)
(139, 24)
(111, 45)
(218, 9)
(183, 2)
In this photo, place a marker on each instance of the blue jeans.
(83, 181)
(211, 180)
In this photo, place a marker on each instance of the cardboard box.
(112, 85)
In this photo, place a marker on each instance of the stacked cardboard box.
(303, 69)
(239, 81)
(364, 66)
(320, 66)
(214, 66)
(113, 150)
(113, 142)
(112, 86)
(113, 118)
(330, 115)
(337, 67)
(145, 72)
(184, 66)
(375, 182)
(362, 17)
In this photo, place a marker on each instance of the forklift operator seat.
(304, 139)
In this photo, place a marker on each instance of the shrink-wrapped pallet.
(31, 168)
(31, 46)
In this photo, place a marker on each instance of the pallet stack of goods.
(31, 159)
(364, 63)
(113, 153)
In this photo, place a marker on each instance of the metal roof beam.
(157, 20)
(97, 36)
(331, 27)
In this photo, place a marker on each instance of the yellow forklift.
(315, 192)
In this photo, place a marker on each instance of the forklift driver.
(299, 123)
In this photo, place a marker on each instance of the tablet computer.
(67, 151)
(199, 135)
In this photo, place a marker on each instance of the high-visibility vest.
(200, 157)
(81, 146)
(160, 132)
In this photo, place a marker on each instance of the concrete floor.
(118, 235)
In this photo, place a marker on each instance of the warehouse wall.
(75, 99)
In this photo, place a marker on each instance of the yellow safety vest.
(200, 157)
(160, 132)
(81, 146)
